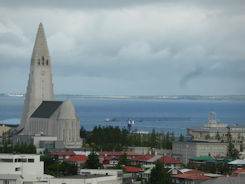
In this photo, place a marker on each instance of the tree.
(217, 136)
(123, 160)
(241, 147)
(159, 175)
(207, 137)
(181, 138)
(229, 136)
(92, 161)
(232, 152)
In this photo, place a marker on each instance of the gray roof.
(46, 109)
(228, 180)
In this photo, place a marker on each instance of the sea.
(163, 115)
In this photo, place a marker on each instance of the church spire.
(40, 86)
(41, 46)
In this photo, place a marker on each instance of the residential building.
(236, 164)
(189, 176)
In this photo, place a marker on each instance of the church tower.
(40, 86)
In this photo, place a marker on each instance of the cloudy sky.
(128, 47)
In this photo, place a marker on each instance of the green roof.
(204, 158)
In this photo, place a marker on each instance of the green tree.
(241, 147)
(153, 139)
(123, 160)
(217, 136)
(159, 175)
(181, 138)
(229, 136)
(92, 161)
(232, 152)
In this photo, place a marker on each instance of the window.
(42, 60)
(23, 160)
(38, 62)
(30, 160)
(46, 62)
(5, 181)
(17, 169)
(6, 160)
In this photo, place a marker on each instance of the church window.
(46, 62)
(43, 60)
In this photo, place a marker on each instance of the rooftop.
(168, 160)
(191, 176)
(203, 158)
(77, 158)
(117, 153)
(46, 109)
(63, 153)
(132, 169)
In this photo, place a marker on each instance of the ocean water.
(162, 115)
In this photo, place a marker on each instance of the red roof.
(132, 169)
(239, 171)
(168, 160)
(142, 158)
(63, 153)
(77, 158)
(216, 157)
(191, 176)
(117, 153)
(195, 171)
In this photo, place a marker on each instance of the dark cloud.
(191, 76)
(128, 47)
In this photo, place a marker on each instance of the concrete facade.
(22, 169)
(28, 169)
(185, 150)
(41, 114)
(40, 86)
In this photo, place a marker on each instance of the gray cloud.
(127, 47)
(190, 76)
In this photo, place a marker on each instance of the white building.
(18, 169)
(185, 150)
(28, 169)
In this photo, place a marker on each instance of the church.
(42, 115)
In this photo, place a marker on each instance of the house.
(117, 154)
(108, 161)
(61, 156)
(236, 164)
(79, 160)
(141, 160)
(189, 176)
(168, 162)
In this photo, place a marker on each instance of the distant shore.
(156, 97)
